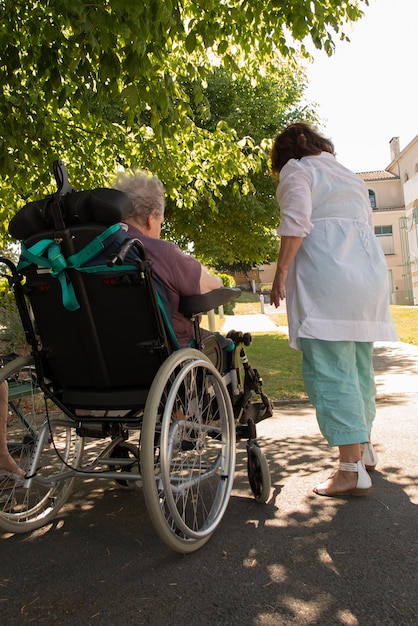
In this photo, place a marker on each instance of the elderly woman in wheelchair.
(109, 389)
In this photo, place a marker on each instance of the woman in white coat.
(333, 273)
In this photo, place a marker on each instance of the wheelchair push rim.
(187, 450)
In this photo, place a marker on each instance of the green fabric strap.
(92, 249)
(47, 253)
(56, 263)
(168, 325)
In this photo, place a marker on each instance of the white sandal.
(362, 487)
(369, 456)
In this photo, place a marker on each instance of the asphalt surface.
(298, 560)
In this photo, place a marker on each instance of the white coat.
(337, 287)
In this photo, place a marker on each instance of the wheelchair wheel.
(187, 450)
(258, 473)
(25, 509)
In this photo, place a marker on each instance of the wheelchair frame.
(174, 436)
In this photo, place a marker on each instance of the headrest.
(100, 206)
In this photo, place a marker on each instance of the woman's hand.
(289, 247)
(278, 290)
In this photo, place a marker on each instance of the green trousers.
(339, 381)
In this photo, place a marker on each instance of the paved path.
(299, 560)
(257, 323)
(396, 368)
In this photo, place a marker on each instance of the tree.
(99, 84)
(239, 230)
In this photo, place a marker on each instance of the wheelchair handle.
(61, 178)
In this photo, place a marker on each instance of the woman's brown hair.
(296, 141)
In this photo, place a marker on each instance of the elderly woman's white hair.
(144, 190)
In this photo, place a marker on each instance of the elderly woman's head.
(146, 193)
(296, 141)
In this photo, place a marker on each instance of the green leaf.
(190, 42)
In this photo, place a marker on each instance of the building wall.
(248, 280)
(391, 245)
(411, 227)
(267, 273)
(411, 191)
(388, 192)
(405, 166)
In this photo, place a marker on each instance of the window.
(385, 235)
(372, 199)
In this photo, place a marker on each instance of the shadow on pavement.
(392, 359)
(299, 559)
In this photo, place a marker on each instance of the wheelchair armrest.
(195, 305)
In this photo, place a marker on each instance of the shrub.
(228, 281)
(12, 337)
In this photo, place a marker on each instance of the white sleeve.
(294, 196)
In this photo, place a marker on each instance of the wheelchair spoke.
(25, 508)
(195, 462)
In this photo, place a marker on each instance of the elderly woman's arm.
(289, 247)
(208, 282)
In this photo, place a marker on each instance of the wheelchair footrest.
(257, 411)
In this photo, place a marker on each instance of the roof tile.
(380, 175)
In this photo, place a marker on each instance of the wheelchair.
(106, 392)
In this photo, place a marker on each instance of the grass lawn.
(406, 322)
(280, 366)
